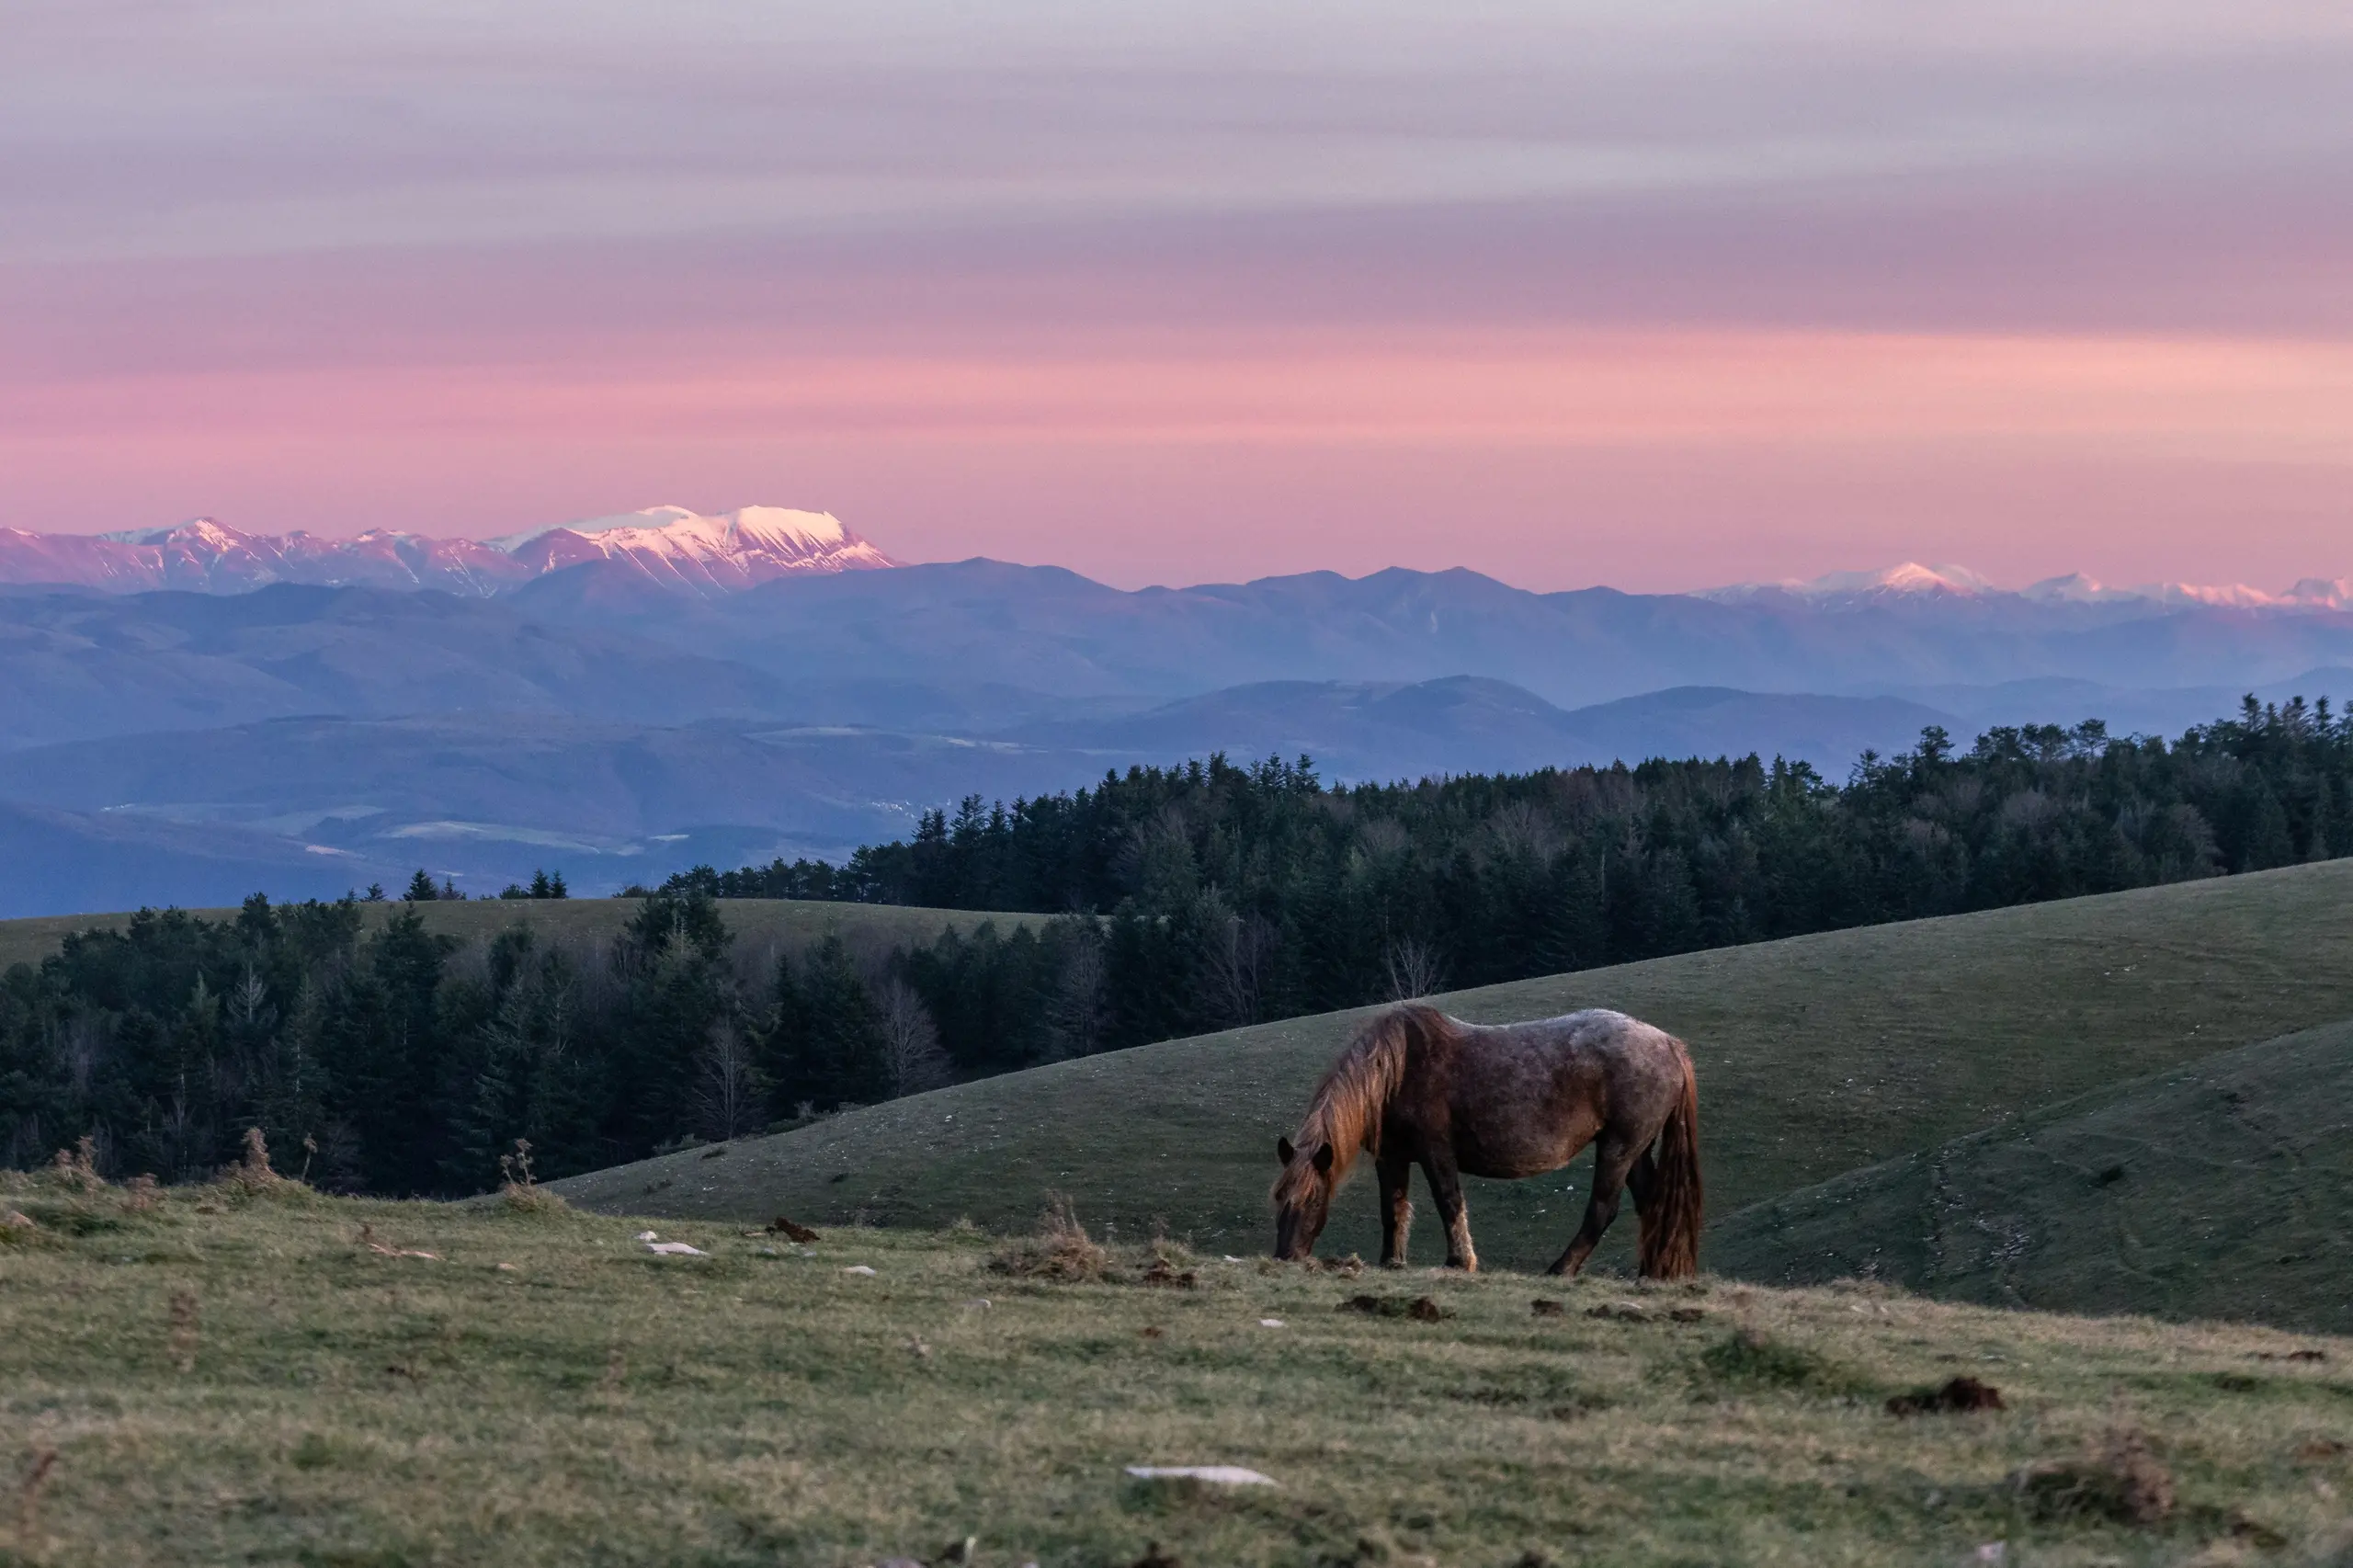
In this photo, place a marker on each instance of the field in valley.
(1817, 1056)
(202, 1375)
(760, 924)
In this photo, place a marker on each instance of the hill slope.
(1816, 1055)
(2218, 1189)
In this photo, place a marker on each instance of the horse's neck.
(1349, 1120)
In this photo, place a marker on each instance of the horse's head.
(1303, 1199)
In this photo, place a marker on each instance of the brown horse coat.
(1509, 1100)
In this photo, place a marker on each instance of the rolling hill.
(1817, 1055)
(2216, 1189)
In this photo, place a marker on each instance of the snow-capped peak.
(200, 532)
(2312, 593)
(1912, 580)
(685, 548)
(673, 546)
(1909, 579)
(774, 527)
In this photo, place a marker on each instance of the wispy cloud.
(249, 250)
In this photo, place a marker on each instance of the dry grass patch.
(1062, 1250)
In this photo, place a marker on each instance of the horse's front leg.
(1446, 1189)
(1613, 1158)
(1397, 1173)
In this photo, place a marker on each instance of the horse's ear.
(1284, 1151)
(1323, 1160)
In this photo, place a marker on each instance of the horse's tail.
(1670, 1222)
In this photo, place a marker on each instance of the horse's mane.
(1345, 1111)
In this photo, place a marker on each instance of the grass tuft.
(1749, 1359)
(2119, 1479)
(1061, 1251)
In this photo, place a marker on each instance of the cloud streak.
(1566, 276)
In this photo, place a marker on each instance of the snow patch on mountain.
(1909, 580)
(1912, 580)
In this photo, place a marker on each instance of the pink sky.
(1726, 292)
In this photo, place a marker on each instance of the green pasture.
(2220, 1188)
(760, 924)
(208, 1376)
(1817, 1056)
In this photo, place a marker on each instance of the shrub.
(520, 1191)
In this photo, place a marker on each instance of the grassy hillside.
(199, 1377)
(1816, 1056)
(758, 922)
(2219, 1190)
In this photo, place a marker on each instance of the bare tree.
(1076, 1012)
(911, 1053)
(1414, 968)
(1238, 960)
(727, 1089)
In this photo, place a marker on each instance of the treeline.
(1230, 894)
(1175, 901)
(381, 1057)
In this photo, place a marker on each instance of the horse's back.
(1622, 1065)
(1601, 1034)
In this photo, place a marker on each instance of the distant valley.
(683, 692)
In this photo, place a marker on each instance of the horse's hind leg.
(1445, 1191)
(1614, 1158)
(1641, 1179)
(1396, 1209)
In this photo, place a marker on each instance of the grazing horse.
(1509, 1100)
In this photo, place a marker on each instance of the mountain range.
(669, 546)
(624, 697)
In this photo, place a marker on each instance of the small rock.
(647, 1236)
(1208, 1474)
(860, 1269)
(675, 1249)
(509, 1269)
(1620, 1312)
(1270, 1323)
